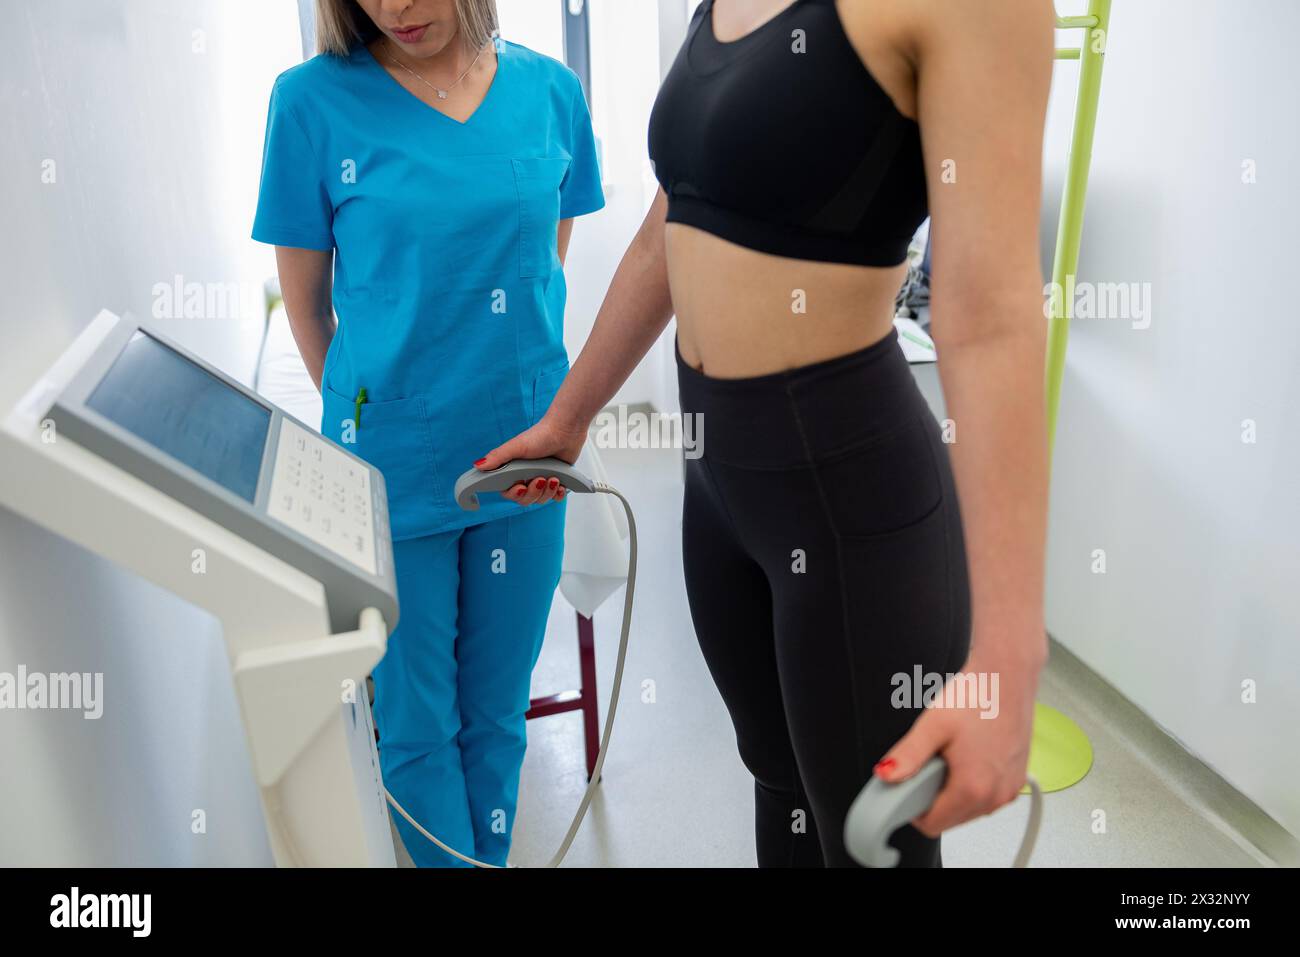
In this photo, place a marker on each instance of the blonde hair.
(341, 24)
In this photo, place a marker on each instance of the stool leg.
(590, 710)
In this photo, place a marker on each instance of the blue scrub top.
(447, 280)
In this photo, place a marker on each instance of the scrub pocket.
(545, 385)
(393, 436)
(538, 181)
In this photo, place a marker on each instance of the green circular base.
(1059, 754)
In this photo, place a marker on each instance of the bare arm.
(305, 279)
(636, 308)
(634, 313)
(983, 73)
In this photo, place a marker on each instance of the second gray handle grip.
(880, 809)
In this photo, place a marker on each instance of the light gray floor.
(675, 793)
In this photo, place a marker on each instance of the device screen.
(185, 411)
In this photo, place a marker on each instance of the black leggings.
(823, 554)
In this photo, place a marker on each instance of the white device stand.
(312, 750)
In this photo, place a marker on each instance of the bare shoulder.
(894, 38)
(882, 33)
(1012, 27)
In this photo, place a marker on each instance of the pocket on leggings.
(884, 485)
(902, 589)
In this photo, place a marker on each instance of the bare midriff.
(744, 313)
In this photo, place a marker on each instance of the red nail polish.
(555, 483)
(885, 766)
(480, 462)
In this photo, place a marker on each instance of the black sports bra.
(782, 141)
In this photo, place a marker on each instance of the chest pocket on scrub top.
(394, 436)
(538, 181)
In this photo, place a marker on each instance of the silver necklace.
(442, 94)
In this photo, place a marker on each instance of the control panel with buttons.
(324, 494)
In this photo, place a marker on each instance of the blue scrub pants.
(451, 693)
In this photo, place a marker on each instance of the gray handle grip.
(880, 809)
(474, 482)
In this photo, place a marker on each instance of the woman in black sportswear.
(828, 565)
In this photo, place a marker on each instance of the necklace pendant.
(442, 94)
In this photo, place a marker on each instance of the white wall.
(624, 81)
(152, 112)
(537, 25)
(1201, 531)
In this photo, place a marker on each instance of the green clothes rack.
(1060, 754)
(1091, 54)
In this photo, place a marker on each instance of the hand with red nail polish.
(546, 439)
(986, 755)
(539, 491)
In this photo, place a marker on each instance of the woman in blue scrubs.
(436, 170)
